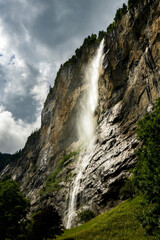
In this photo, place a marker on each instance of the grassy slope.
(119, 223)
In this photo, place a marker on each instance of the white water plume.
(86, 124)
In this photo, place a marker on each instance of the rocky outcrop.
(128, 88)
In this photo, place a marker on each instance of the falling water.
(86, 120)
(86, 124)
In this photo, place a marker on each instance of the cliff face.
(128, 87)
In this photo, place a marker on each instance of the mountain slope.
(128, 87)
(119, 223)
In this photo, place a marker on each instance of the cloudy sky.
(36, 36)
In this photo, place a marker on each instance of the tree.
(120, 12)
(124, 8)
(146, 176)
(46, 224)
(13, 209)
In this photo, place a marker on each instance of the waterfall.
(86, 124)
(86, 121)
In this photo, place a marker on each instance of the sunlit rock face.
(127, 88)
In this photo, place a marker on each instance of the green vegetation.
(146, 175)
(6, 158)
(13, 210)
(53, 180)
(85, 215)
(14, 224)
(71, 60)
(46, 224)
(133, 3)
(119, 14)
(138, 218)
(111, 27)
(127, 190)
(119, 223)
(92, 39)
(86, 43)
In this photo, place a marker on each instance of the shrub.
(87, 42)
(69, 62)
(128, 189)
(101, 35)
(120, 12)
(78, 52)
(85, 215)
(90, 40)
(111, 27)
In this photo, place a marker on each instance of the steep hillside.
(129, 83)
(119, 223)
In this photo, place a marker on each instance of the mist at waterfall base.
(86, 125)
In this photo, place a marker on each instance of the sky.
(36, 37)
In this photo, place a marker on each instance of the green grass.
(119, 223)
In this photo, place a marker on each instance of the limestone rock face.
(128, 88)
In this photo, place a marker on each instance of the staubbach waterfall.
(86, 125)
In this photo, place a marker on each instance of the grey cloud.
(21, 104)
(81, 18)
(22, 107)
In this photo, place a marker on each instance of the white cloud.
(14, 133)
(39, 92)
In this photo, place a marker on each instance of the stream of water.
(86, 124)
